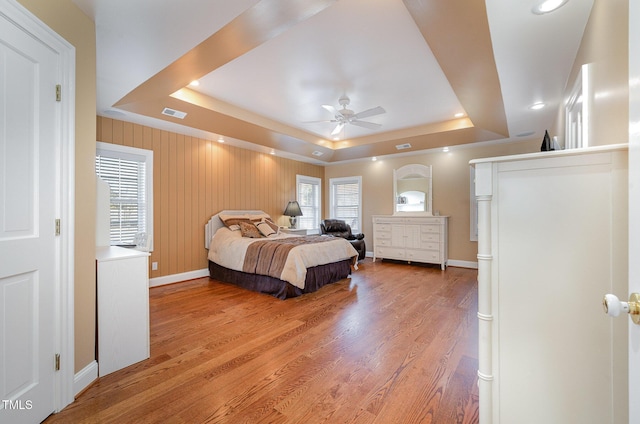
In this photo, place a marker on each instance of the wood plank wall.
(194, 178)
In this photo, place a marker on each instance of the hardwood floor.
(396, 343)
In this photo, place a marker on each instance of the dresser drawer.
(382, 227)
(426, 220)
(380, 241)
(430, 237)
(431, 256)
(389, 252)
(430, 228)
(387, 220)
(430, 246)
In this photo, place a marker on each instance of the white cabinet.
(552, 241)
(123, 307)
(411, 238)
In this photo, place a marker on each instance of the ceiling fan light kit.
(548, 6)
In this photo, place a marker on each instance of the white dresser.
(123, 307)
(411, 238)
(552, 240)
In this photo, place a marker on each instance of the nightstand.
(296, 231)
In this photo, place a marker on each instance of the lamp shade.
(292, 209)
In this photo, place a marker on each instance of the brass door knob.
(613, 306)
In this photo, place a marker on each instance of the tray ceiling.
(265, 68)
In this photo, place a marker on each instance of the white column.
(485, 313)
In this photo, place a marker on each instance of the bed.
(245, 252)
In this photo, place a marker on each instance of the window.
(346, 201)
(577, 112)
(308, 196)
(129, 173)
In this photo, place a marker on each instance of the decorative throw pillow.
(265, 229)
(249, 230)
(228, 222)
(272, 224)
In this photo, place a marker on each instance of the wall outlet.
(154, 266)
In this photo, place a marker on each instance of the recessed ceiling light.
(119, 113)
(194, 83)
(273, 152)
(374, 159)
(537, 106)
(445, 149)
(548, 6)
(220, 140)
(459, 115)
(525, 134)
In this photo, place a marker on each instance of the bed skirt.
(317, 277)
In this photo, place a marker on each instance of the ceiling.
(266, 67)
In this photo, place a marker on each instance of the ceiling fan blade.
(317, 122)
(330, 109)
(370, 112)
(365, 124)
(337, 129)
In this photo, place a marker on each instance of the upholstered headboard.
(215, 223)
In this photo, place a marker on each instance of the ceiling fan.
(347, 116)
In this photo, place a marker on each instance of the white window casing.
(129, 173)
(309, 195)
(346, 201)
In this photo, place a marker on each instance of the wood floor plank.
(392, 343)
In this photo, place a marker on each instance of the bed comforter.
(290, 258)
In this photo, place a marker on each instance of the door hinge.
(58, 93)
(57, 364)
(57, 226)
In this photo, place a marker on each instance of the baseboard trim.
(190, 275)
(85, 377)
(462, 264)
(176, 278)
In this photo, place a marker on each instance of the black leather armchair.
(339, 228)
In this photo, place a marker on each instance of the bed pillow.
(249, 229)
(259, 217)
(229, 220)
(266, 229)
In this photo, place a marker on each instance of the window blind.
(346, 202)
(128, 207)
(309, 200)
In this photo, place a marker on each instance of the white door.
(634, 206)
(29, 152)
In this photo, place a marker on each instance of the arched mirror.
(412, 190)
